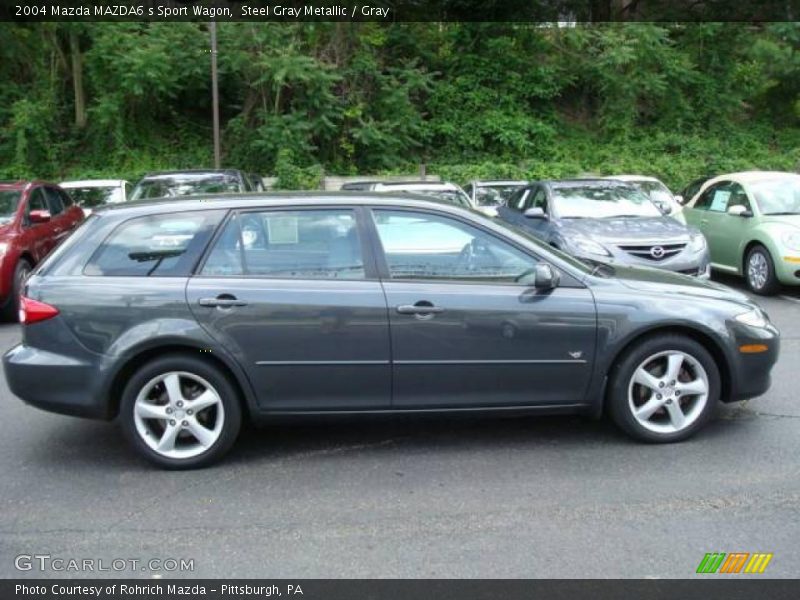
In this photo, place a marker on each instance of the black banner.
(570, 11)
(713, 588)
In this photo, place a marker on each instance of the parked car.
(752, 223)
(606, 221)
(659, 194)
(486, 196)
(440, 190)
(348, 304)
(92, 193)
(191, 183)
(34, 218)
(256, 182)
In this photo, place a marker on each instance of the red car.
(34, 218)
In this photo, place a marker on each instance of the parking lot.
(523, 497)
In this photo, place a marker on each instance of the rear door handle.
(419, 309)
(222, 301)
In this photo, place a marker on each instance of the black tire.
(10, 311)
(771, 284)
(194, 366)
(620, 381)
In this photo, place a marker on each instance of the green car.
(751, 221)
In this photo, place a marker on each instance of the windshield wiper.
(154, 255)
(782, 214)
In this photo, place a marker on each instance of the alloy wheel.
(668, 391)
(757, 270)
(179, 414)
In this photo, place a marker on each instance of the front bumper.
(752, 370)
(687, 262)
(787, 268)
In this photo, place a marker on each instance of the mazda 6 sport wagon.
(184, 318)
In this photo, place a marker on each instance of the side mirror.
(663, 207)
(39, 216)
(739, 211)
(535, 213)
(679, 199)
(545, 277)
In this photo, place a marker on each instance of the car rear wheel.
(760, 272)
(10, 311)
(664, 389)
(180, 412)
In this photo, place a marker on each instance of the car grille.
(655, 252)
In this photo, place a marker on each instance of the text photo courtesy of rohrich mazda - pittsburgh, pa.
(399, 300)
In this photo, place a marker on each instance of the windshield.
(449, 196)
(8, 205)
(778, 196)
(186, 185)
(494, 195)
(602, 202)
(90, 197)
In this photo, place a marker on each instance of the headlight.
(586, 246)
(791, 240)
(754, 318)
(698, 243)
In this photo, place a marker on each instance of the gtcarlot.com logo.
(734, 562)
(47, 562)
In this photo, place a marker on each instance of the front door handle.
(222, 301)
(422, 307)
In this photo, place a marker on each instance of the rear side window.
(165, 245)
(302, 244)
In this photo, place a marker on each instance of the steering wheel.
(472, 254)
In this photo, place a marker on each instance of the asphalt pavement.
(445, 498)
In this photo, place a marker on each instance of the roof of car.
(92, 183)
(751, 176)
(487, 182)
(21, 184)
(171, 174)
(627, 178)
(283, 199)
(418, 185)
(580, 181)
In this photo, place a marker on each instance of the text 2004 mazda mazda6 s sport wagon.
(184, 318)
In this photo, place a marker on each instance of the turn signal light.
(753, 348)
(33, 311)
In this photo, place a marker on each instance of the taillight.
(33, 311)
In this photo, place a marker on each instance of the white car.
(487, 196)
(91, 193)
(659, 194)
(440, 190)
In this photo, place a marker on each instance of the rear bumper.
(54, 382)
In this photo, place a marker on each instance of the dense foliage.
(469, 100)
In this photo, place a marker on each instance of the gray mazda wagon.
(183, 319)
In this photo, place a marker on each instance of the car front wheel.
(180, 412)
(664, 389)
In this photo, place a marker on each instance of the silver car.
(606, 221)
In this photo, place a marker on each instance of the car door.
(72, 212)
(40, 234)
(731, 230)
(464, 332)
(708, 214)
(541, 228)
(60, 219)
(294, 296)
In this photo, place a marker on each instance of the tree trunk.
(77, 80)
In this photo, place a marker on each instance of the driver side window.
(424, 246)
(540, 200)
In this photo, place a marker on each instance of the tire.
(184, 426)
(631, 392)
(10, 311)
(759, 271)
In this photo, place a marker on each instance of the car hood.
(626, 229)
(792, 220)
(659, 281)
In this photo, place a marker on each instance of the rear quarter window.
(165, 245)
